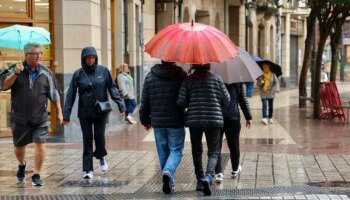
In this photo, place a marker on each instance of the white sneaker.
(271, 121)
(103, 165)
(88, 175)
(234, 174)
(131, 120)
(264, 121)
(219, 177)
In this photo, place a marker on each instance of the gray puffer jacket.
(204, 94)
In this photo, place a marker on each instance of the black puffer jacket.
(160, 92)
(204, 94)
(237, 94)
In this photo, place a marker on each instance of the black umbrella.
(276, 69)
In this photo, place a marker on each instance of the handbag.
(103, 107)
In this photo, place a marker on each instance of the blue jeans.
(265, 103)
(250, 87)
(170, 143)
(130, 105)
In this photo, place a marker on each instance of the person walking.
(160, 111)
(92, 81)
(268, 86)
(126, 86)
(204, 95)
(249, 88)
(232, 128)
(31, 85)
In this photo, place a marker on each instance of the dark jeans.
(232, 129)
(265, 103)
(93, 129)
(212, 136)
(249, 88)
(130, 105)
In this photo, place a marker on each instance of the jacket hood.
(88, 51)
(167, 71)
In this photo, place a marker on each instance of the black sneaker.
(36, 181)
(207, 180)
(199, 186)
(21, 173)
(166, 184)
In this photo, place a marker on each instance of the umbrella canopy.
(256, 58)
(241, 69)
(276, 69)
(191, 43)
(17, 36)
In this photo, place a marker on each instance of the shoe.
(207, 181)
(199, 186)
(234, 174)
(21, 173)
(88, 175)
(130, 119)
(219, 178)
(167, 188)
(36, 181)
(264, 121)
(271, 121)
(103, 165)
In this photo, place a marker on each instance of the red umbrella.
(191, 43)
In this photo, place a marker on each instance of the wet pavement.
(294, 158)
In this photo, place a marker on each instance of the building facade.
(119, 29)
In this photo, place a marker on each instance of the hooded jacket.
(160, 91)
(91, 83)
(204, 94)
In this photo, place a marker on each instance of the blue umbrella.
(17, 36)
(256, 58)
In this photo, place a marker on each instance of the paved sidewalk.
(294, 158)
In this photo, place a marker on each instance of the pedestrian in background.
(160, 111)
(204, 95)
(126, 86)
(232, 128)
(268, 86)
(31, 85)
(93, 82)
(249, 88)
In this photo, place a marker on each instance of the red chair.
(331, 105)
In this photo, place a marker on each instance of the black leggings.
(93, 129)
(232, 129)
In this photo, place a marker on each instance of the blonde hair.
(122, 67)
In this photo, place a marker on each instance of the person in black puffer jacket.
(232, 127)
(160, 111)
(204, 94)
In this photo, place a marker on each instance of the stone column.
(119, 33)
(286, 49)
(254, 33)
(242, 27)
(106, 51)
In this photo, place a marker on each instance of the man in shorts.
(31, 85)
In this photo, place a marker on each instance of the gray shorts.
(26, 134)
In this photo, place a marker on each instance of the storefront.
(29, 13)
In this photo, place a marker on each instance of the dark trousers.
(232, 129)
(93, 129)
(212, 136)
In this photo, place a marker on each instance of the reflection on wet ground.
(261, 141)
